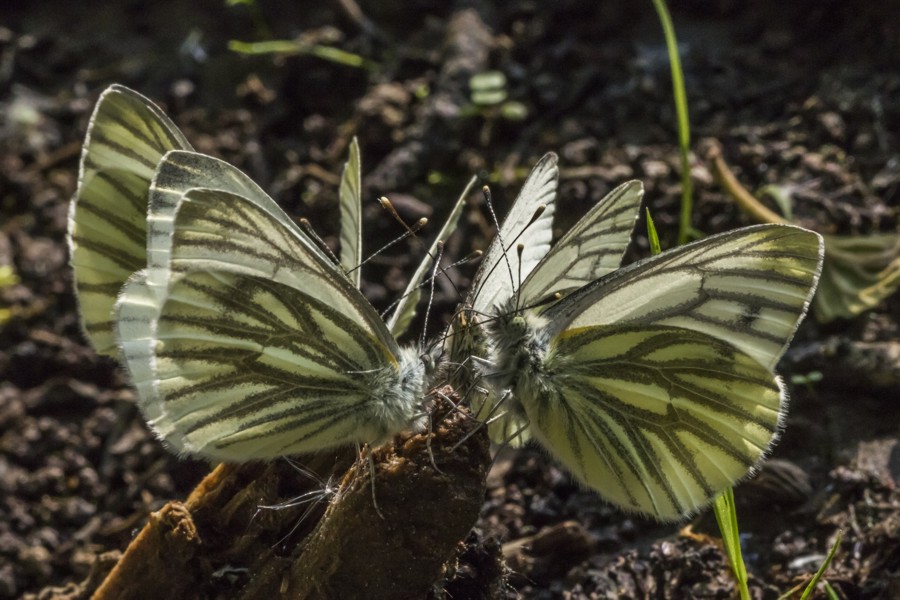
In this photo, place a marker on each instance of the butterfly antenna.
(412, 231)
(550, 299)
(472, 256)
(489, 200)
(437, 262)
(307, 226)
(442, 271)
(534, 217)
(389, 206)
(520, 249)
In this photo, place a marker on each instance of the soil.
(804, 96)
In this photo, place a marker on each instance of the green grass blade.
(684, 128)
(726, 516)
(290, 47)
(652, 235)
(815, 580)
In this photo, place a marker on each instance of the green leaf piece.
(859, 272)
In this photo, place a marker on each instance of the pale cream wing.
(592, 248)
(501, 270)
(350, 197)
(656, 419)
(750, 287)
(236, 367)
(107, 234)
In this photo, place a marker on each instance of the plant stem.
(748, 203)
(684, 128)
(726, 517)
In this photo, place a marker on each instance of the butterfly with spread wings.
(653, 384)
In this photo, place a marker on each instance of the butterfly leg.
(372, 479)
(428, 441)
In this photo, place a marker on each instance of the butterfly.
(242, 336)
(653, 384)
(591, 249)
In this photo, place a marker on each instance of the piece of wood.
(223, 542)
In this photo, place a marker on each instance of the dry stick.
(739, 193)
(183, 544)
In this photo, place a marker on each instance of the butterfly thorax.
(519, 348)
(396, 398)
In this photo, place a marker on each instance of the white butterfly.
(654, 383)
(590, 250)
(242, 337)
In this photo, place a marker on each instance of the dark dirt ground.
(805, 94)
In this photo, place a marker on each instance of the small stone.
(35, 561)
(7, 582)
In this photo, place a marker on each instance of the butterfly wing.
(591, 249)
(501, 270)
(178, 173)
(750, 287)
(260, 347)
(350, 195)
(656, 386)
(107, 231)
(238, 367)
(655, 419)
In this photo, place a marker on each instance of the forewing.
(656, 419)
(405, 310)
(126, 138)
(590, 250)
(350, 195)
(180, 172)
(500, 271)
(750, 287)
(236, 367)
(216, 230)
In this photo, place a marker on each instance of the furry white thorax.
(397, 398)
(519, 344)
